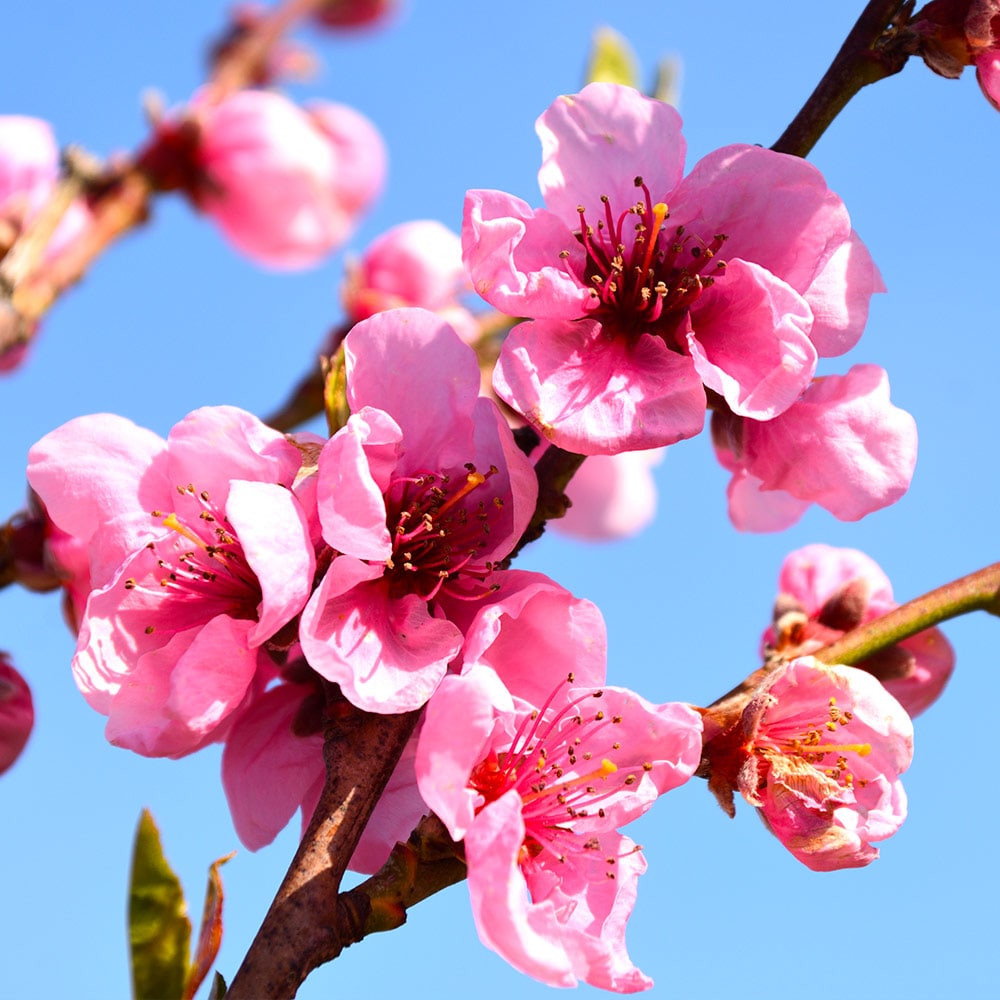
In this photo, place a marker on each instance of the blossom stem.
(119, 197)
(306, 925)
(867, 55)
(554, 471)
(244, 63)
(979, 591)
(427, 863)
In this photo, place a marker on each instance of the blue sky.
(171, 319)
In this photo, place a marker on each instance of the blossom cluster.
(230, 571)
(226, 579)
(652, 296)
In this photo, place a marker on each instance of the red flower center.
(440, 528)
(201, 561)
(644, 275)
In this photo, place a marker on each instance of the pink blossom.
(537, 795)
(199, 554)
(842, 445)
(818, 750)
(414, 264)
(419, 495)
(613, 496)
(953, 34)
(29, 169)
(634, 313)
(285, 184)
(17, 713)
(826, 591)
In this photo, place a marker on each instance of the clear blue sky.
(172, 320)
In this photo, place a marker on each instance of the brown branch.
(305, 927)
(979, 591)
(873, 50)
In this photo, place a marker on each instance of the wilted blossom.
(842, 445)
(29, 169)
(537, 794)
(199, 555)
(825, 592)
(953, 34)
(17, 713)
(285, 184)
(416, 263)
(612, 496)
(818, 750)
(646, 288)
(419, 496)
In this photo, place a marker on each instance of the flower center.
(643, 274)
(558, 777)
(201, 562)
(811, 748)
(440, 527)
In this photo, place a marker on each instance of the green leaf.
(159, 930)
(612, 60)
(210, 936)
(668, 81)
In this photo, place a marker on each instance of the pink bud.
(283, 187)
(17, 714)
(340, 14)
(413, 264)
(359, 149)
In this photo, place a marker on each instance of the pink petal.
(934, 659)
(390, 353)
(512, 253)
(594, 910)
(777, 211)
(99, 477)
(387, 654)
(212, 446)
(591, 394)
(272, 183)
(750, 341)
(459, 721)
(414, 264)
(988, 75)
(274, 535)
(843, 445)
(355, 467)
(754, 508)
(598, 141)
(267, 769)
(524, 934)
(814, 573)
(177, 697)
(534, 633)
(359, 151)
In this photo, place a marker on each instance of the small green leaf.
(159, 930)
(335, 391)
(210, 936)
(668, 81)
(612, 60)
